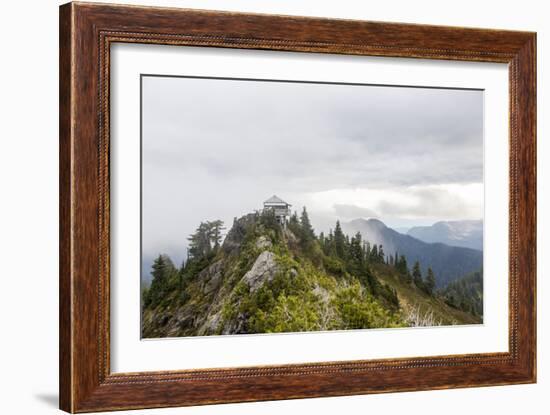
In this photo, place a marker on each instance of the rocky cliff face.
(206, 294)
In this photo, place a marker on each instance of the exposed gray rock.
(211, 277)
(211, 324)
(263, 243)
(263, 270)
(235, 236)
(290, 236)
(237, 326)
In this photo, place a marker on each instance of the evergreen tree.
(417, 275)
(356, 254)
(307, 232)
(329, 249)
(294, 224)
(367, 251)
(206, 239)
(181, 273)
(199, 242)
(215, 229)
(466, 293)
(381, 255)
(430, 281)
(339, 241)
(294, 219)
(401, 265)
(161, 271)
(374, 254)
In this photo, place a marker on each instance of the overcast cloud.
(216, 149)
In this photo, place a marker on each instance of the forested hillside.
(267, 278)
(466, 293)
(448, 262)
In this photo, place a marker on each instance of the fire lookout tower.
(280, 208)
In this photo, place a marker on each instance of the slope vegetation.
(268, 279)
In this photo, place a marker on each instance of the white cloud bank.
(215, 149)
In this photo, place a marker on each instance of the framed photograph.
(259, 207)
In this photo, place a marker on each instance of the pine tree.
(417, 275)
(215, 230)
(356, 253)
(307, 232)
(374, 254)
(367, 251)
(329, 249)
(381, 255)
(339, 241)
(181, 273)
(294, 224)
(430, 281)
(199, 242)
(161, 271)
(401, 265)
(206, 239)
(294, 219)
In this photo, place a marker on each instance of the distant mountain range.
(447, 262)
(465, 233)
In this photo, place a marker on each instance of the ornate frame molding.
(86, 33)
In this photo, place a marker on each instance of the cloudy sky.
(216, 149)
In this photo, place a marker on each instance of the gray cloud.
(218, 148)
(353, 211)
(428, 202)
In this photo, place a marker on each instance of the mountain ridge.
(448, 262)
(265, 278)
(463, 233)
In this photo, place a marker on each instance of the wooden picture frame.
(86, 33)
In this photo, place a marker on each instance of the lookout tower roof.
(275, 200)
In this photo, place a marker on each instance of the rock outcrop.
(263, 270)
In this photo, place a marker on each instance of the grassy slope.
(412, 299)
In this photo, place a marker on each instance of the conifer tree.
(339, 241)
(381, 255)
(417, 275)
(215, 230)
(206, 239)
(374, 254)
(367, 251)
(181, 273)
(402, 265)
(356, 253)
(430, 281)
(294, 219)
(161, 271)
(308, 234)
